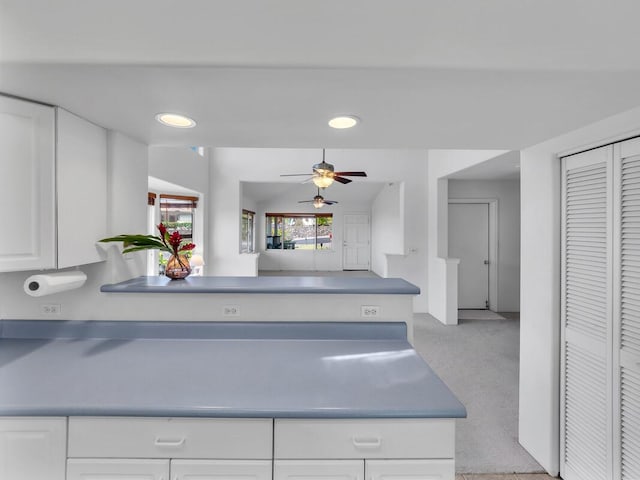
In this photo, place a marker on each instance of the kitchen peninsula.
(260, 399)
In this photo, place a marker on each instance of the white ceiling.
(494, 74)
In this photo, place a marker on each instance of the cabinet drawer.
(100, 437)
(365, 438)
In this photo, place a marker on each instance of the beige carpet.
(479, 360)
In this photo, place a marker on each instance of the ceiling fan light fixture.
(318, 202)
(322, 181)
(344, 121)
(175, 120)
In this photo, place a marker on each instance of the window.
(247, 242)
(299, 231)
(177, 212)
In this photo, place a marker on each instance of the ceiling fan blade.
(342, 180)
(305, 201)
(330, 202)
(295, 175)
(351, 174)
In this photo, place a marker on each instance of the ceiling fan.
(323, 174)
(319, 201)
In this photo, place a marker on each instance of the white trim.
(493, 244)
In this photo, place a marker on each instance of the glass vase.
(178, 267)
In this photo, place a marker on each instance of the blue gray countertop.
(207, 369)
(268, 284)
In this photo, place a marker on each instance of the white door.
(220, 469)
(318, 469)
(626, 313)
(356, 250)
(117, 469)
(469, 241)
(410, 469)
(33, 448)
(586, 334)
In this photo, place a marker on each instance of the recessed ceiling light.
(344, 121)
(175, 120)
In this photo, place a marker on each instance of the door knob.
(486, 262)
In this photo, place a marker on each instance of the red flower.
(174, 240)
(187, 246)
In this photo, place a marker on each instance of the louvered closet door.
(586, 411)
(627, 312)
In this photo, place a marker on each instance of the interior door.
(469, 241)
(356, 253)
(586, 390)
(626, 313)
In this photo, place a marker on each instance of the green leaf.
(145, 247)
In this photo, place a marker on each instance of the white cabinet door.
(117, 469)
(586, 399)
(220, 469)
(82, 189)
(318, 469)
(32, 448)
(409, 470)
(626, 313)
(27, 185)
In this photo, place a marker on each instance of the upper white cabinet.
(53, 187)
(81, 164)
(27, 185)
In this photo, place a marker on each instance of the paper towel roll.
(46, 284)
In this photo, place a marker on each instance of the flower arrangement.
(178, 265)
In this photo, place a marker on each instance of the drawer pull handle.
(367, 442)
(161, 442)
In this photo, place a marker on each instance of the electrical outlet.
(231, 311)
(369, 311)
(50, 309)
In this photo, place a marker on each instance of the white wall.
(442, 273)
(387, 226)
(507, 192)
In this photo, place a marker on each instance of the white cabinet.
(27, 185)
(318, 469)
(81, 176)
(53, 187)
(409, 469)
(33, 448)
(163, 448)
(375, 449)
(120, 469)
(220, 469)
